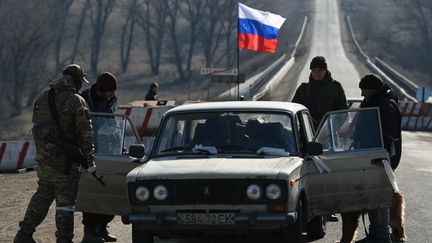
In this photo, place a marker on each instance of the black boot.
(103, 232)
(22, 237)
(90, 236)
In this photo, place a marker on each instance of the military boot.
(103, 232)
(23, 237)
(90, 236)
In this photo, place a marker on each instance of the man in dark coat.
(376, 93)
(100, 98)
(152, 93)
(322, 93)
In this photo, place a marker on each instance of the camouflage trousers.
(53, 185)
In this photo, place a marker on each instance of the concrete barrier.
(16, 155)
(416, 116)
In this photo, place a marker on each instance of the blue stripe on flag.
(249, 26)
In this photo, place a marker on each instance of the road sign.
(219, 71)
(423, 94)
(227, 78)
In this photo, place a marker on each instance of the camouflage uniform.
(54, 183)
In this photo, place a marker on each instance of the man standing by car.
(63, 138)
(101, 98)
(322, 93)
(376, 93)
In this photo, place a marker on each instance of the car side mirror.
(314, 148)
(137, 150)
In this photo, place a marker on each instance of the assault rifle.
(72, 152)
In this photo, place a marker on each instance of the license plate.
(205, 218)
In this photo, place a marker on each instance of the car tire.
(138, 236)
(295, 231)
(316, 228)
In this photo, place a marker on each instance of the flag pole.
(238, 55)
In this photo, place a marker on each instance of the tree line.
(40, 37)
(396, 30)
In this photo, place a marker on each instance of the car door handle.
(377, 161)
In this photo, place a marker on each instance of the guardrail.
(398, 88)
(416, 116)
(277, 77)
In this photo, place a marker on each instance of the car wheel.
(316, 228)
(138, 236)
(295, 231)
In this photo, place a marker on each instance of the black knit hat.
(318, 62)
(371, 81)
(106, 82)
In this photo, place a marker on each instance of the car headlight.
(273, 191)
(160, 192)
(253, 192)
(142, 193)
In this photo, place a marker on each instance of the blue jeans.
(379, 225)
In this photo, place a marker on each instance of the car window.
(350, 130)
(112, 134)
(227, 132)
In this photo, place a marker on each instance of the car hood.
(215, 168)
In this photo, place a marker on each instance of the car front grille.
(216, 191)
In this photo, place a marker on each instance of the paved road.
(327, 41)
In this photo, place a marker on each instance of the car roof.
(239, 105)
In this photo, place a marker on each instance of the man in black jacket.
(100, 98)
(322, 93)
(376, 93)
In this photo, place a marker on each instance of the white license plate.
(205, 218)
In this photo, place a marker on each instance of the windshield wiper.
(272, 151)
(204, 149)
(235, 148)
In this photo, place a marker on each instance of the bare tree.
(79, 31)
(29, 27)
(229, 23)
(417, 17)
(211, 30)
(192, 11)
(173, 6)
(61, 10)
(128, 33)
(151, 18)
(100, 10)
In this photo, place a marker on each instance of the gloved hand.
(91, 169)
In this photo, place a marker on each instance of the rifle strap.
(53, 111)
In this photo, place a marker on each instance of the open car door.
(353, 173)
(113, 133)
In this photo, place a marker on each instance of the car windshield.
(226, 133)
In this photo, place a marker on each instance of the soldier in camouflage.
(59, 180)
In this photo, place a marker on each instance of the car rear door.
(353, 173)
(108, 195)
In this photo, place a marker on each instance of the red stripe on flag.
(2, 150)
(145, 122)
(257, 43)
(22, 155)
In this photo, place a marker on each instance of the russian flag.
(258, 30)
